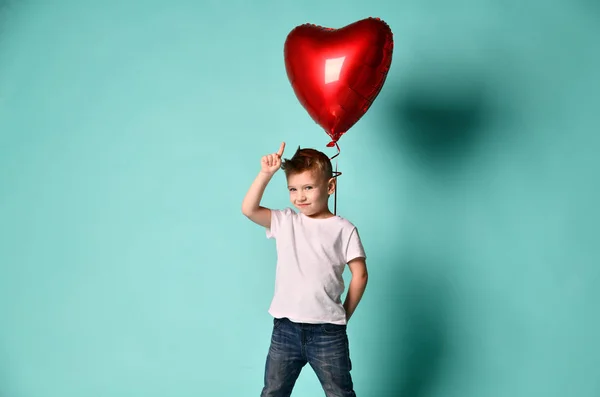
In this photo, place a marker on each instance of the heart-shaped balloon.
(336, 74)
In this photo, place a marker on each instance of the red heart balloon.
(336, 74)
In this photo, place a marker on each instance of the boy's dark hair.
(308, 159)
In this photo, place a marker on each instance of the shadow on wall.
(440, 115)
(4, 378)
(5, 6)
(438, 119)
(420, 305)
(594, 5)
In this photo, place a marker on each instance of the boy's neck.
(321, 215)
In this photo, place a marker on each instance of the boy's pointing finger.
(281, 149)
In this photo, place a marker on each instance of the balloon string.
(336, 189)
(338, 148)
(335, 175)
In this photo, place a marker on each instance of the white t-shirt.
(311, 257)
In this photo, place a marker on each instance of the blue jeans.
(323, 346)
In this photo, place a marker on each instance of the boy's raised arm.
(251, 207)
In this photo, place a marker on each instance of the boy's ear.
(331, 185)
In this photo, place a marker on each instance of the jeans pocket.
(277, 322)
(333, 329)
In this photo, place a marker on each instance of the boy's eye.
(293, 188)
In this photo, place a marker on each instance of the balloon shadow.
(5, 6)
(417, 353)
(436, 122)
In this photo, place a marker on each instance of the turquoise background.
(131, 131)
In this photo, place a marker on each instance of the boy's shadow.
(4, 378)
(418, 312)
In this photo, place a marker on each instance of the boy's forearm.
(356, 290)
(254, 196)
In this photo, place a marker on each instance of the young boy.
(313, 247)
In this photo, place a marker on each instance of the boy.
(313, 247)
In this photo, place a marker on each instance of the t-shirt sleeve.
(355, 248)
(278, 217)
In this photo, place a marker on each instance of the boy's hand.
(272, 162)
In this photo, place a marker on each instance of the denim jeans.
(323, 346)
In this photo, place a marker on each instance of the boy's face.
(309, 192)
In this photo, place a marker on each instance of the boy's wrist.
(266, 174)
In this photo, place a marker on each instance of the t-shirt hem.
(300, 319)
